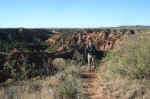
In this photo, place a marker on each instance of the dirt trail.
(91, 84)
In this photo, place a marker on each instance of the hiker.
(90, 51)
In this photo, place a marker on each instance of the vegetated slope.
(63, 42)
(126, 70)
(63, 85)
(55, 45)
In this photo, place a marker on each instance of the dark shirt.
(91, 49)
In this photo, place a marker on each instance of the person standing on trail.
(91, 51)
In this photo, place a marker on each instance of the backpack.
(91, 49)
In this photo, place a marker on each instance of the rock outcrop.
(102, 40)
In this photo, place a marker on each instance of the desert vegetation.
(48, 63)
(125, 70)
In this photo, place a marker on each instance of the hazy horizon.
(74, 27)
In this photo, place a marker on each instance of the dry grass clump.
(63, 85)
(132, 60)
(126, 72)
(70, 84)
(127, 89)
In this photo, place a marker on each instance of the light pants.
(90, 59)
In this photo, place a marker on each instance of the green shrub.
(68, 90)
(7, 46)
(132, 60)
(23, 67)
(70, 85)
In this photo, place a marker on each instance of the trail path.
(91, 84)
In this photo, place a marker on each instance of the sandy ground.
(91, 84)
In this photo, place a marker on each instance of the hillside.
(125, 70)
(40, 69)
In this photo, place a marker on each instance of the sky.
(73, 13)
